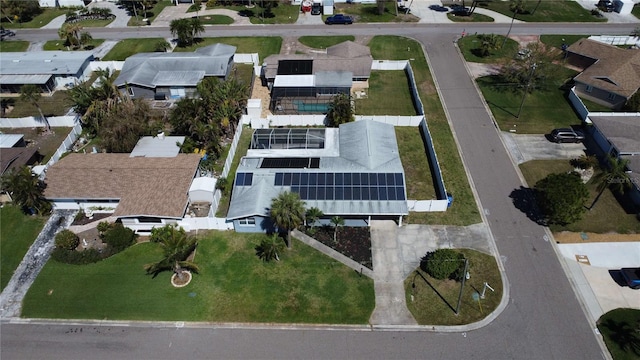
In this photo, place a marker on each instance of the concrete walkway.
(30, 266)
(179, 11)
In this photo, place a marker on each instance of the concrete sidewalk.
(179, 11)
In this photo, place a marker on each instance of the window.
(247, 222)
(589, 88)
(130, 91)
(611, 96)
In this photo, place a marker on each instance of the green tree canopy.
(269, 248)
(26, 190)
(176, 248)
(67, 240)
(443, 264)
(561, 197)
(186, 30)
(612, 176)
(20, 10)
(340, 110)
(287, 212)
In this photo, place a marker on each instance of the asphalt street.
(543, 320)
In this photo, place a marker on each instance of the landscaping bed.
(352, 242)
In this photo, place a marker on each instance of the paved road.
(542, 321)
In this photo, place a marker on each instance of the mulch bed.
(83, 220)
(353, 242)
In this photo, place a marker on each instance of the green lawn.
(636, 11)
(544, 109)
(388, 94)
(41, 20)
(17, 233)
(281, 14)
(464, 210)
(151, 14)
(233, 286)
(13, 46)
(216, 20)
(263, 45)
(368, 13)
(557, 40)
(594, 107)
(95, 23)
(608, 215)
(469, 46)
(416, 166)
(55, 105)
(619, 329)
(323, 42)
(547, 11)
(59, 45)
(434, 301)
(125, 48)
(475, 17)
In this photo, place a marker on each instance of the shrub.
(103, 226)
(67, 240)
(443, 263)
(585, 162)
(73, 257)
(119, 237)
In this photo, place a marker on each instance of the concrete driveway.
(526, 147)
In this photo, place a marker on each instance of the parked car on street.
(566, 136)
(631, 276)
(339, 19)
(606, 5)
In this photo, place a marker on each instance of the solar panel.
(290, 163)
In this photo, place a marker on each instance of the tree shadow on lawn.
(524, 200)
(413, 286)
(624, 335)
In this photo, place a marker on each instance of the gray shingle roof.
(364, 146)
(43, 62)
(180, 69)
(622, 131)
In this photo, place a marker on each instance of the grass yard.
(434, 301)
(281, 14)
(59, 45)
(388, 94)
(244, 73)
(544, 109)
(125, 48)
(216, 20)
(636, 10)
(475, 17)
(619, 329)
(41, 20)
(241, 150)
(368, 13)
(150, 15)
(90, 23)
(608, 215)
(418, 174)
(323, 42)
(557, 40)
(594, 107)
(13, 46)
(464, 210)
(547, 11)
(470, 45)
(17, 233)
(233, 286)
(55, 105)
(264, 46)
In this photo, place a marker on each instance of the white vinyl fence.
(37, 121)
(66, 144)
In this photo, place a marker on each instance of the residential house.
(160, 75)
(14, 153)
(306, 83)
(46, 69)
(353, 172)
(619, 136)
(610, 75)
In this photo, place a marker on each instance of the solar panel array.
(244, 179)
(344, 186)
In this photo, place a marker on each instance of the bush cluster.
(67, 240)
(443, 264)
(116, 236)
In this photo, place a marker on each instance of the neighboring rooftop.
(15, 157)
(11, 140)
(42, 62)
(622, 131)
(158, 146)
(145, 186)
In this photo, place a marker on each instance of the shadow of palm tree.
(624, 335)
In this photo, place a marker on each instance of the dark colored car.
(566, 136)
(316, 9)
(339, 19)
(606, 5)
(631, 276)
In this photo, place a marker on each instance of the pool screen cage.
(288, 139)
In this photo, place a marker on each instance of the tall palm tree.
(26, 190)
(287, 212)
(176, 248)
(70, 32)
(84, 39)
(312, 215)
(337, 221)
(613, 176)
(32, 94)
(269, 248)
(517, 6)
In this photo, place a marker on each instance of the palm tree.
(337, 221)
(26, 190)
(614, 177)
(517, 6)
(176, 248)
(287, 212)
(84, 39)
(161, 46)
(32, 94)
(181, 29)
(70, 32)
(269, 248)
(487, 43)
(312, 215)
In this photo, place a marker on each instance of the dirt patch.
(566, 237)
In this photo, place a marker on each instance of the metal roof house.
(173, 75)
(610, 75)
(353, 172)
(45, 69)
(306, 83)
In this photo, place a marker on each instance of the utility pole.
(464, 277)
(526, 89)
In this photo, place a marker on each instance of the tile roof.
(616, 70)
(145, 186)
